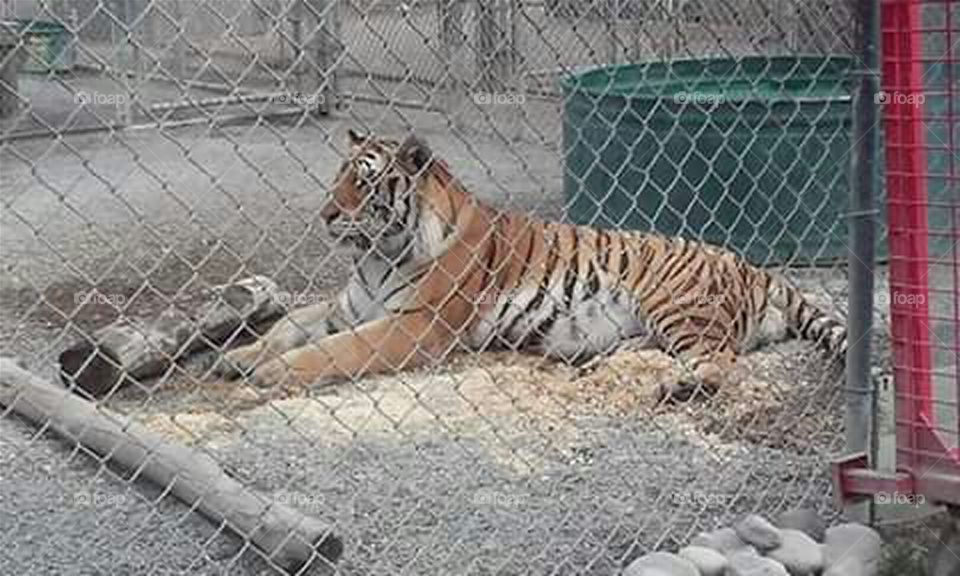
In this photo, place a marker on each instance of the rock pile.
(797, 543)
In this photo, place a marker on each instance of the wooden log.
(130, 350)
(287, 538)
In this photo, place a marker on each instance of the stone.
(661, 564)
(805, 520)
(852, 550)
(755, 530)
(724, 540)
(745, 563)
(850, 567)
(799, 553)
(707, 560)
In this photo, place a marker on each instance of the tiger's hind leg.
(291, 331)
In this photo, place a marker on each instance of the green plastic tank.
(750, 153)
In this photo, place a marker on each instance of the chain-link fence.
(153, 154)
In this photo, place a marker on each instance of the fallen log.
(287, 538)
(129, 350)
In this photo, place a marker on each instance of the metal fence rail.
(153, 153)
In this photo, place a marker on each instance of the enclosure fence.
(919, 100)
(164, 166)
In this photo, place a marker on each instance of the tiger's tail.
(807, 321)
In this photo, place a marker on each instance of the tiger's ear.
(414, 155)
(356, 139)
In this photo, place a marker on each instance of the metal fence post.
(860, 393)
(325, 48)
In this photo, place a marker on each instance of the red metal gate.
(920, 103)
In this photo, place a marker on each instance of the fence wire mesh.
(153, 154)
(920, 98)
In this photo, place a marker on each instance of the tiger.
(435, 269)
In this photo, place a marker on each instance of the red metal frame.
(926, 462)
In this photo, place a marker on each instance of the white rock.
(757, 531)
(852, 550)
(805, 520)
(661, 564)
(724, 540)
(707, 560)
(748, 564)
(799, 553)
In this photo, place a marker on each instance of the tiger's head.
(373, 199)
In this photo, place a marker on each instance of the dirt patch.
(487, 397)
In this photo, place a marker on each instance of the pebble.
(661, 564)
(724, 540)
(748, 564)
(757, 531)
(852, 550)
(799, 553)
(805, 520)
(707, 560)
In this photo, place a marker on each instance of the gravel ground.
(499, 464)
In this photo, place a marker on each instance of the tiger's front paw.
(276, 373)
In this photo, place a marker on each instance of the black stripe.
(573, 268)
(542, 289)
(685, 342)
(489, 262)
(537, 333)
(593, 280)
(524, 266)
(678, 261)
(811, 316)
(624, 260)
(603, 249)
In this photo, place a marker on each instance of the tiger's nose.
(330, 213)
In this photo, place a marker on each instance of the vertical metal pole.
(860, 394)
(452, 38)
(295, 17)
(179, 52)
(125, 109)
(611, 20)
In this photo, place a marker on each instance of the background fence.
(167, 148)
